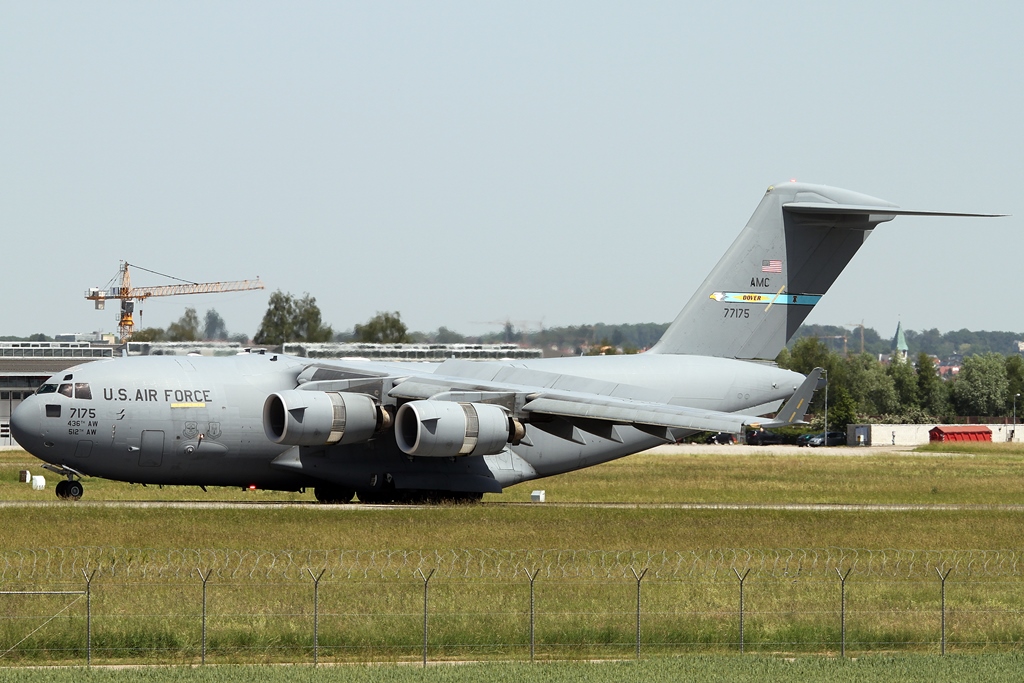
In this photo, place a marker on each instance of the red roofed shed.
(959, 433)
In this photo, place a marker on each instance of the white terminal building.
(338, 350)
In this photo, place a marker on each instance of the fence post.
(204, 577)
(639, 577)
(316, 613)
(942, 578)
(742, 579)
(533, 576)
(88, 616)
(426, 583)
(842, 610)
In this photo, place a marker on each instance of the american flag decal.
(772, 266)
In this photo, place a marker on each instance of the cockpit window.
(47, 389)
(82, 390)
(65, 390)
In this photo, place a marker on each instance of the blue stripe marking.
(762, 298)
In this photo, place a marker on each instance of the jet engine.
(322, 418)
(442, 429)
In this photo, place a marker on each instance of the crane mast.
(128, 295)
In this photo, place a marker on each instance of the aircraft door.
(84, 449)
(151, 451)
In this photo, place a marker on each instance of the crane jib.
(128, 294)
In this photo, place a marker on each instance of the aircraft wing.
(598, 409)
(643, 414)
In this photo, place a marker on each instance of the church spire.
(899, 343)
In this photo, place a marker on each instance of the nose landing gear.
(70, 488)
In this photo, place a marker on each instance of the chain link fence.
(56, 564)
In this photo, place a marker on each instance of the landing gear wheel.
(74, 490)
(62, 489)
(333, 494)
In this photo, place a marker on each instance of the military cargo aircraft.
(402, 432)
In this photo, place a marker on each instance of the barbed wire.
(61, 564)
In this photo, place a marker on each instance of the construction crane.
(861, 326)
(129, 295)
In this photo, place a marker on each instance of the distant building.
(410, 352)
(399, 352)
(185, 348)
(94, 337)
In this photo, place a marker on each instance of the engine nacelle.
(441, 429)
(321, 418)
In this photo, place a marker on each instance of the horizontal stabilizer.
(796, 407)
(858, 210)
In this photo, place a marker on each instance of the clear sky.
(471, 162)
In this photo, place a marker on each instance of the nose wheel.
(69, 489)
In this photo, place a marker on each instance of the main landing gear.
(418, 497)
(333, 494)
(70, 489)
(337, 494)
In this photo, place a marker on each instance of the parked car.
(805, 439)
(833, 439)
(762, 437)
(722, 437)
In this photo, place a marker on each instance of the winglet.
(796, 407)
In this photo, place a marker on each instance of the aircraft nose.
(26, 426)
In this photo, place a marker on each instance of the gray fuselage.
(199, 421)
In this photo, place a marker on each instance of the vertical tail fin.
(791, 251)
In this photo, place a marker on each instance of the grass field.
(984, 476)
(906, 668)
(381, 620)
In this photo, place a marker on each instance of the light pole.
(1013, 433)
(825, 373)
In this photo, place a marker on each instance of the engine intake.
(322, 418)
(442, 429)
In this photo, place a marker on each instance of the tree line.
(861, 388)
(288, 318)
(961, 342)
